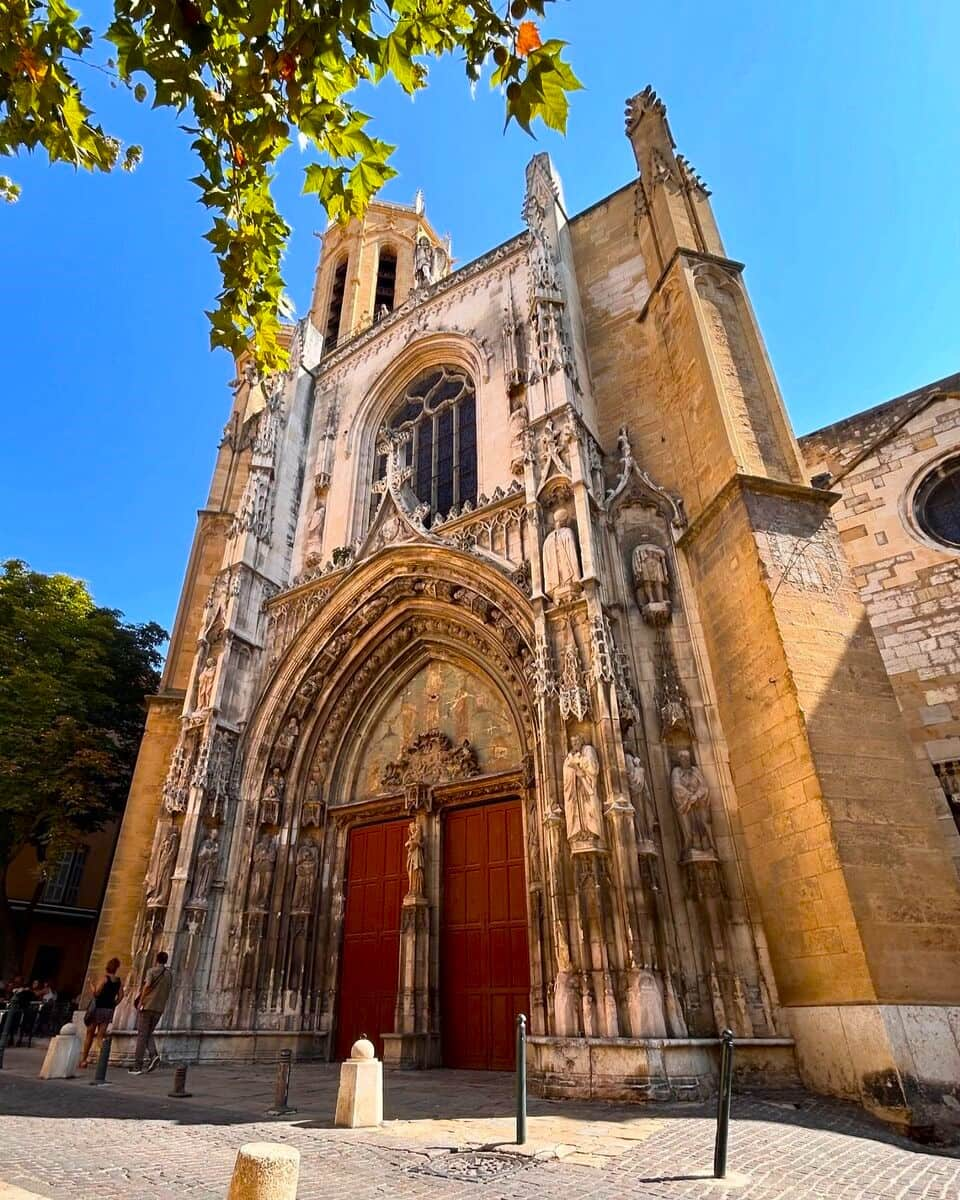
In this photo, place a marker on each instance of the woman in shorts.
(100, 1011)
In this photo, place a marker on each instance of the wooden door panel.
(484, 964)
(369, 961)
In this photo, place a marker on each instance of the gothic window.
(336, 305)
(937, 503)
(386, 283)
(440, 410)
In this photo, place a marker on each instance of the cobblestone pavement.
(66, 1139)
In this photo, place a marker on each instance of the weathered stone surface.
(63, 1054)
(265, 1171)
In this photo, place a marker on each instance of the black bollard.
(521, 1079)
(101, 1076)
(723, 1105)
(281, 1091)
(5, 1022)
(180, 1084)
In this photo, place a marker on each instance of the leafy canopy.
(72, 683)
(251, 75)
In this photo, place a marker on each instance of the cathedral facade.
(518, 668)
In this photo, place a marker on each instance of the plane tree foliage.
(247, 77)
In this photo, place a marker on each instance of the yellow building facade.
(518, 667)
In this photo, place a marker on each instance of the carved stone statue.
(646, 816)
(561, 560)
(264, 858)
(205, 682)
(207, 857)
(519, 420)
(581, 799)
(161, 874)
(305, 872)
(416, 859)
(311, 815)
(651, 580)
(272, 798)
(691, 800)
(315, 528)
(286, 740)
(423, 263)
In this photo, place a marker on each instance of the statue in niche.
(286, 740)
(207, 857)
(161, 875)
(315, 528)
(305, 873)
(581, 798)
(416, 859)
(264, 858)
(272, 798)
(313, 809)
(691, 800)
(640, 795)
(519, 420)
(423, 263)
(205, 682)
(651, 581)
(561, 560)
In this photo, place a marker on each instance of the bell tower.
(370, 266)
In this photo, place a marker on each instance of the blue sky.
(827, 133)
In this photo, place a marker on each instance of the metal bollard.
(723, 1105)
(5, 1022)
(521, 1079)
(104, 1058)
(282, 1089)
(180, 1084)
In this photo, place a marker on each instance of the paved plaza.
(446, 1135)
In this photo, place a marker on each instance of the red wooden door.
(369, 963)
(484, 965)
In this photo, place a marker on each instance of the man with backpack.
(150, 1004)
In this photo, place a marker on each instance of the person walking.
(150, 1003)
(100, 1009)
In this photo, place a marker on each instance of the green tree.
(251, 75)
(73, 678)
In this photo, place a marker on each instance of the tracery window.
(937, 503)
(336, 305)
(440, 409)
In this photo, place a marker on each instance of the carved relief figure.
(207, 857)
(691, 800)
(423, 263)
(313, 806)
(651, 580)
(272, 798)
(561, 560)
(315, 528)
(161, 874)
(205, 682)
(264, 858)
(305, 872)
(286, 740)
(518, 432)
(581, 799)
(640, 795)
(416, 859)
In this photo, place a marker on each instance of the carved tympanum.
(432, 758)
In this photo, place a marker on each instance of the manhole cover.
(474, 1167)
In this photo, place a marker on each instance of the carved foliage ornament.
(432, 758)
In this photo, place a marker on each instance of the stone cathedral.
(518, 668)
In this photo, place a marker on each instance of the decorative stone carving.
(630, 474)
(691, 801)
(416, 859)
(314, 807)
(305, 874)
(428, 263)
(651, 581)
(264, 860)
(572, 692)
(581, 798)
(432, 758)
(646, 814)
(519, 420)
(286, 740)
(272, 801)
(176, 783)
(160, 876)
(207, 858)
(561, 559)
(205, 682)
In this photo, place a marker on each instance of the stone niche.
(445, 695)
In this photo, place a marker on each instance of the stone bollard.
(265, 1171)
(63, 1054)
(100, 1077)
(360, 1098)
(180, 1084)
